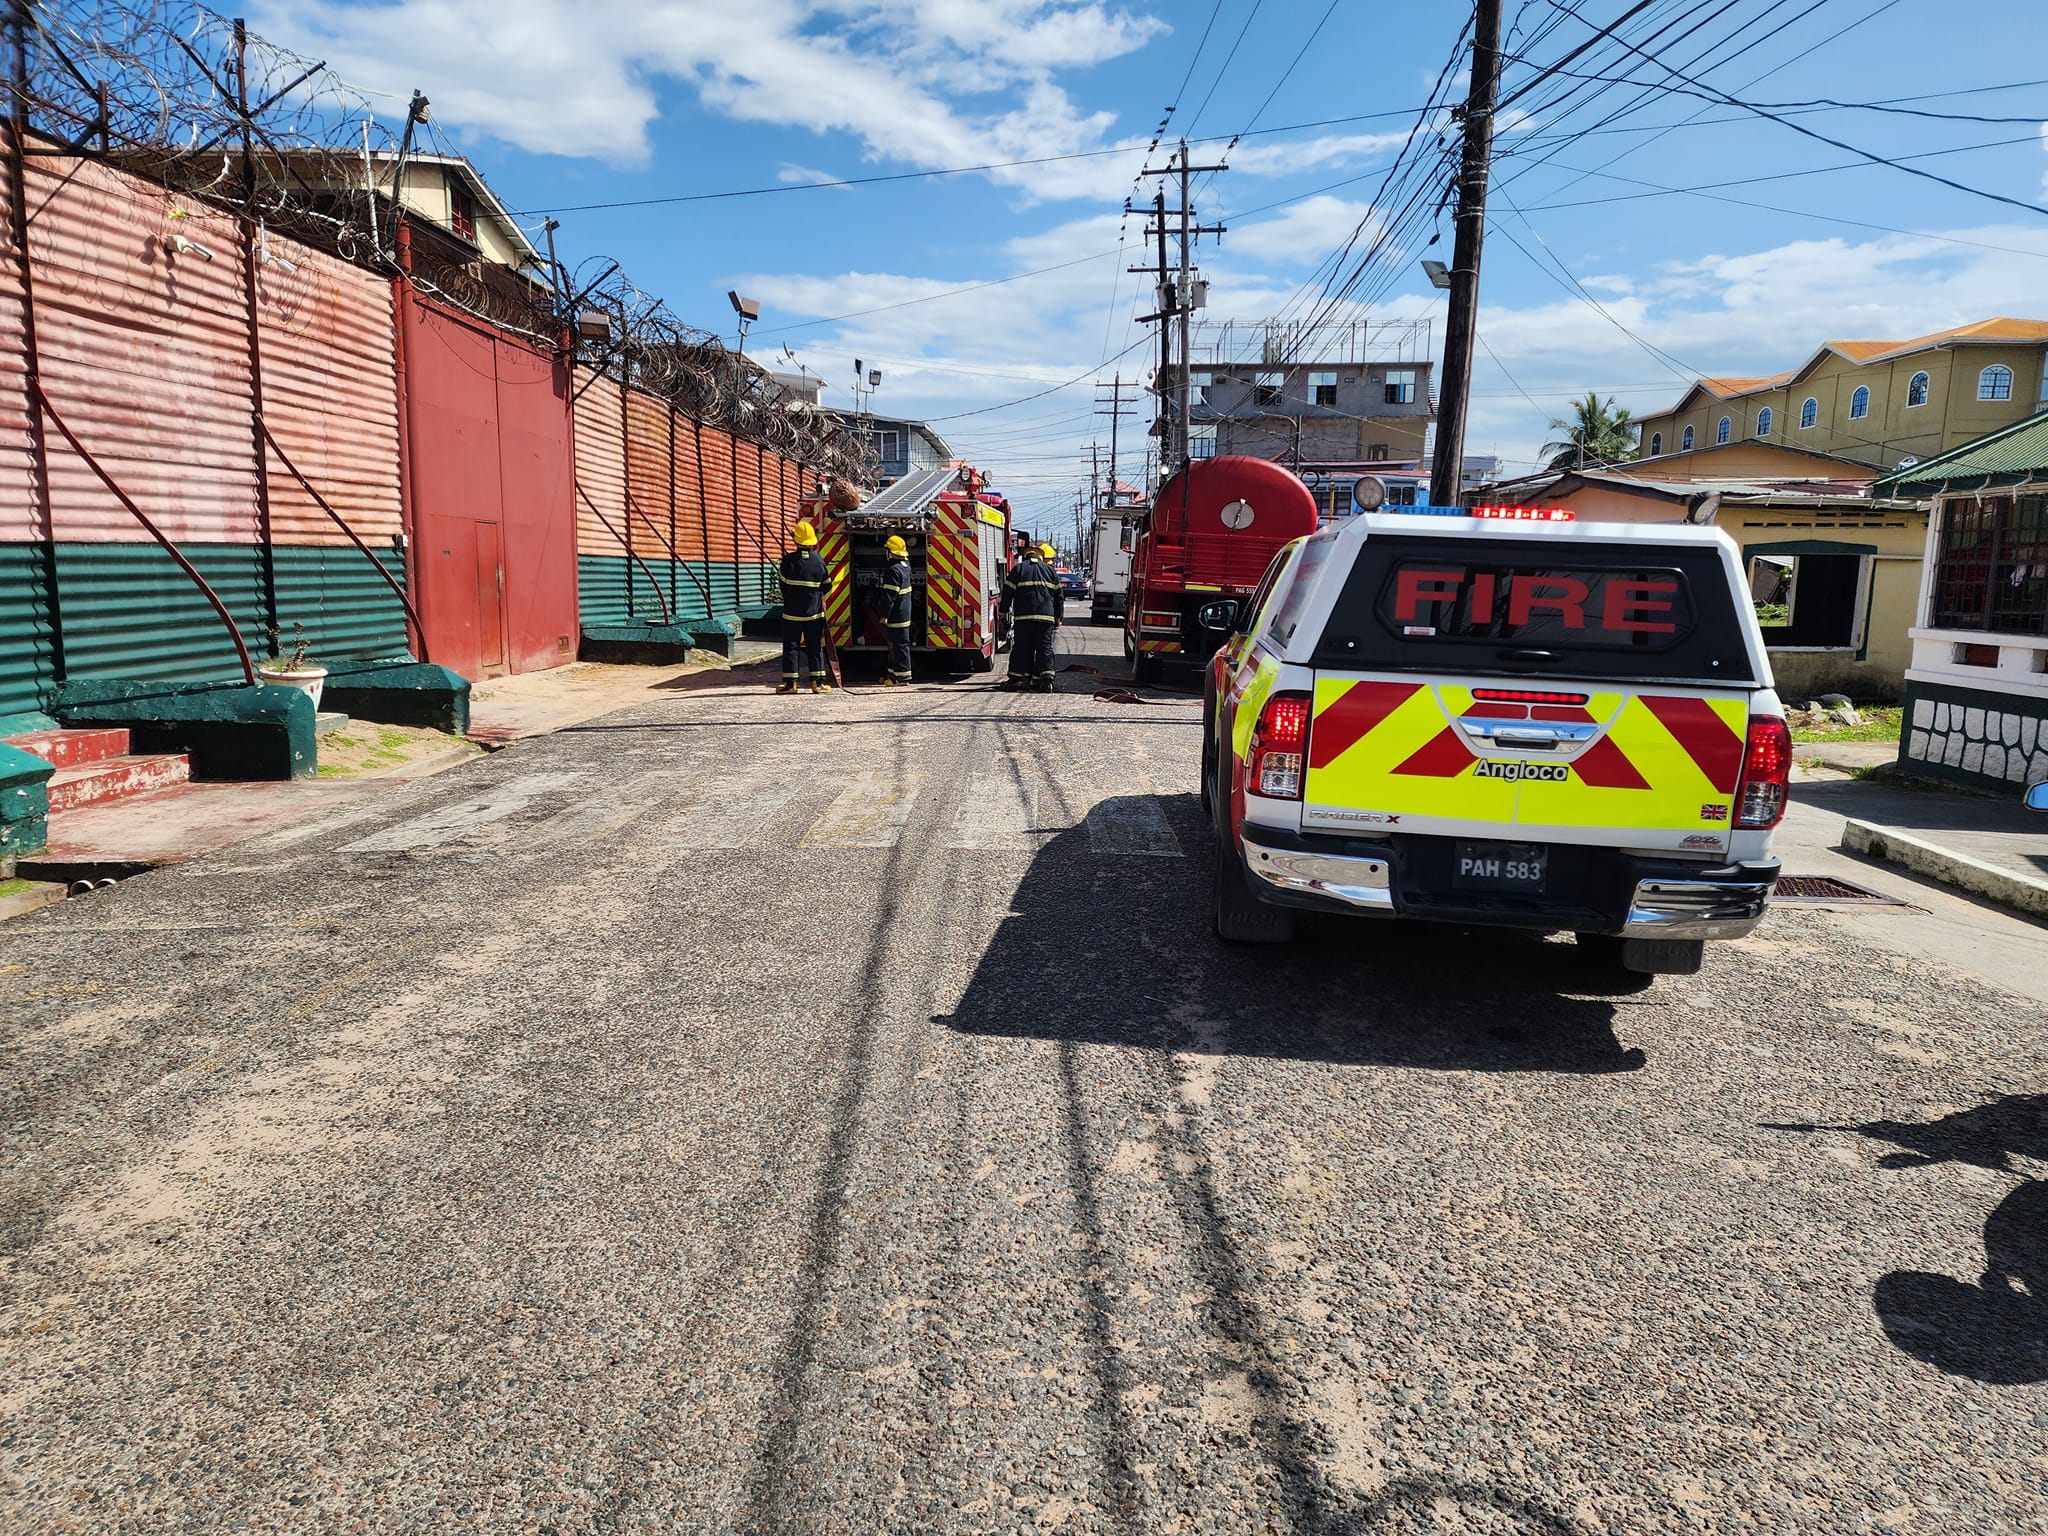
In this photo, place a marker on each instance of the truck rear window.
(1598, 610)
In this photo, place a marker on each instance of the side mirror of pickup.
(1218, 616)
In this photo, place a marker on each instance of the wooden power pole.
(1447, 468)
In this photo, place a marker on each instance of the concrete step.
(93, 783)
(67, 749)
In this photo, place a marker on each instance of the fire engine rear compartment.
(867, 559)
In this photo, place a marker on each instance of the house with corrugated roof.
(1977, 682)
(1873, 402)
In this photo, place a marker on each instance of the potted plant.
(290, 667)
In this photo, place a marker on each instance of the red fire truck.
(1212, 530)
(958, 535)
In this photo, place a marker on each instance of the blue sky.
(1594, 277)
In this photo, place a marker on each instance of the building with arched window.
(1875, 402)
(1685, 441)
(1721, 430)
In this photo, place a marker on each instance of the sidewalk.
(1990, 847)
(126, 837)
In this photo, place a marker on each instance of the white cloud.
(1330, 149)
(951, 82)
(1304, 234)
(795, 175)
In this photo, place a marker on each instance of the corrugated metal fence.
(673, 516)
(155, 316)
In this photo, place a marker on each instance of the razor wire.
(178, 94)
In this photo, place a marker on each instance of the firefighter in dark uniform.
(803, 613)
(1031, 593)
(896, 596)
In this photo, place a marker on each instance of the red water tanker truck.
(1213, 529)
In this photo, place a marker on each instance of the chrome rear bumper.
(1696, 909)
(1365, 883)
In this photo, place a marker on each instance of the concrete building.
(1875, 402)
(1977, 681)
(901, 445)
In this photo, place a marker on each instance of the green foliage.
(1878, 725)
(1595, 433)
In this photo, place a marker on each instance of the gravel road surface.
(833, 1114)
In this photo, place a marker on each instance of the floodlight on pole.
(749, 310)
(1439, 275)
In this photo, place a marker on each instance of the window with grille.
(888, 445)
(1202, 442)
(1995, 383)
(1991, 566)
(1916, 390)
(1322, 388)
(462, 213)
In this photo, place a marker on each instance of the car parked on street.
(1559, 726)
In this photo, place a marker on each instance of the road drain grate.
(1819, 888)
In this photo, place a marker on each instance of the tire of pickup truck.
(1236, 914)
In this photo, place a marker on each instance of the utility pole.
(1115, 413)
(1447, 471)
(1178, 298)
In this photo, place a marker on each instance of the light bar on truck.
(1503, 514)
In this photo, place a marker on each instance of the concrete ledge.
(643, 645)
(2023, 893)
(29, 900)
(229, 730)
(24, 801)
(400, 693)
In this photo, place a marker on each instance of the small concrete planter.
(308, 680)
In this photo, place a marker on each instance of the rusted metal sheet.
(716, 454)
(330, 395)
(600, 466)
(144, 348)
(537, 491)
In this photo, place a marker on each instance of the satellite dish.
(1909, 461)
(1369, 491)
(1237, 516)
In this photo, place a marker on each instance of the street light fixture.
(749, 310)
(1439, 274)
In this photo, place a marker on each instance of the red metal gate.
(492, 495)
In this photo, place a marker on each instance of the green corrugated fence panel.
(613, 589)
(349, 612)
(24, 630)
(130, 612)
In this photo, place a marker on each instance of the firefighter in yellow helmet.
(897, 593)
(803, 613)
(1032, 594)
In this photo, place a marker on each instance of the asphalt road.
(833, 1114)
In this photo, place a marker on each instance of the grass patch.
(366, 751)
(1880, 724)
(16, 887)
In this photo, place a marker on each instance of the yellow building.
(1875, 402)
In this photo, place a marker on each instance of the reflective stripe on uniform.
(787, 582)
(1031, 618)
(898, 624)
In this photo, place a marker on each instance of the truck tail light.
(1279, 748)
(1766, 771)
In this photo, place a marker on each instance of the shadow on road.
(1103, 949)
(1995, 1330)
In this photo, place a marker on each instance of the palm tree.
(1596, 434)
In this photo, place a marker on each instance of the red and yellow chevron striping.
(832, 547)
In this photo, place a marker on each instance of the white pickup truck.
(1559, 726)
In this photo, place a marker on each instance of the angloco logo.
(1550, 773)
